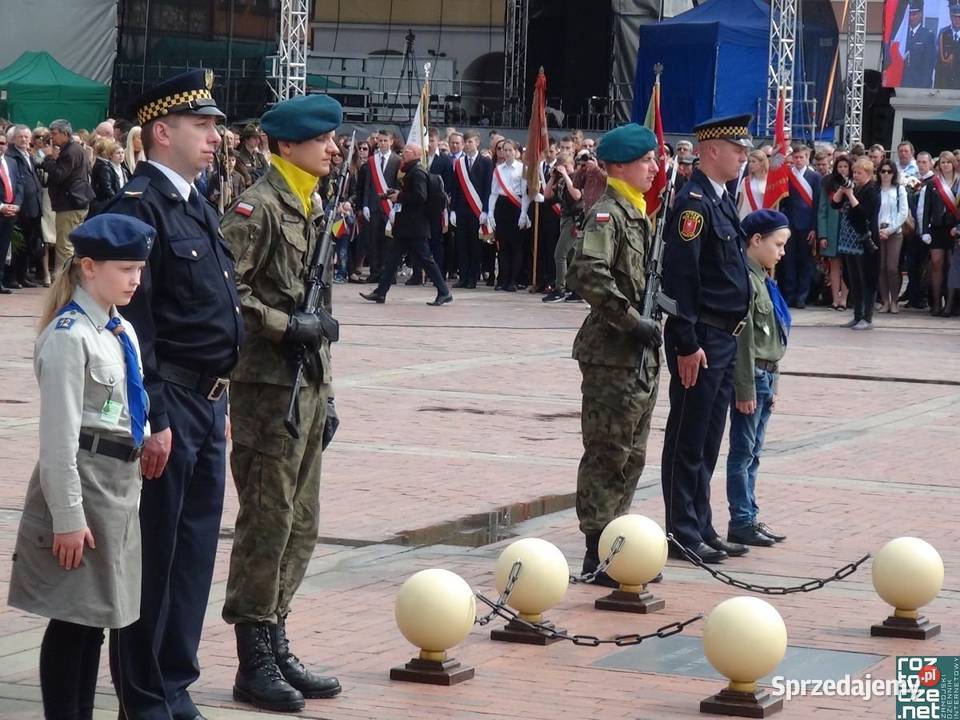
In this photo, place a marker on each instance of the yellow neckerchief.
(300, 181)
(629, 192)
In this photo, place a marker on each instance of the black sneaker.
(572, 297)
(553, 297)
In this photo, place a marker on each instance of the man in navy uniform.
(705, 270)
(920, 54)
(948, 51)
(187, 315)
(800, 207)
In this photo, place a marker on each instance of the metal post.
(856, 40)
(515, 61)
(781, 53)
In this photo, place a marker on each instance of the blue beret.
(626, 143)
(113, 237)
(764, 222)
(302, 118)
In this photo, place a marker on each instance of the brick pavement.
(457, 411)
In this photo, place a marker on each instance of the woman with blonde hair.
(858, 201)
(134, 151)
(938, 215)
(754, 183)
(108, 175)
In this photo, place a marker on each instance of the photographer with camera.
(561, 189)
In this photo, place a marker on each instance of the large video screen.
(921, 40)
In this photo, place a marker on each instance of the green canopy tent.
(941, 132)
(37, 89)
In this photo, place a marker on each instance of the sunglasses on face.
(886, 171)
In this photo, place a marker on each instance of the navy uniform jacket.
(481, 173)
(802, 216)
(704, 263)
(31, 205)
(948, 60)
(186, 309)
(442, 165)
(920, 58)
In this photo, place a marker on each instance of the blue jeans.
(343, 257)
(743, 459)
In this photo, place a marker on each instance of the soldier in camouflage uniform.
(271, 230)
(250, 161)
(619, 390)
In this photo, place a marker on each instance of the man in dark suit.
(920, 53)
(800, 206)
(948, 52)
(18, 151)
(11, 195)
(442, 165)
(478, 176)
(411, 229)
(381, 164)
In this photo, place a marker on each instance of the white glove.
(484, 218)
(538, 197)
(926, 238)
(453, 219)
(366, 214)
(490, 223)
(524, 222)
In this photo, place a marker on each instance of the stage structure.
(780, 65)
(515, 62)
(288, 76)
(853, 90)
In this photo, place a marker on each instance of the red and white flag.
(654, 122)
(778, 177)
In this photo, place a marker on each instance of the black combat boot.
(591, 561)
(259, 681)
(308, 683)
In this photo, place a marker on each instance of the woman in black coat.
(859, 205)
(108, 176)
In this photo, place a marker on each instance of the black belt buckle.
(739, 328)
(135, 453)
(219, 388)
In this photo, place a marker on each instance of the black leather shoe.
(5, 290)
(509, 288)
(441, 300)
(461, 284)
(730, 548)
(259, 681)
(413, 281)
(704, 551)
(768, 531)
(471, 286)
(374, 297)
(24, 283)
(749, 536)
(491, 281)
(308, 683)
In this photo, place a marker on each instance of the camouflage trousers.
(615, 420)
(278, 485)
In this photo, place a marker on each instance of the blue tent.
(715, 60)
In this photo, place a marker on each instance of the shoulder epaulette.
(696, 196)
(136, 186)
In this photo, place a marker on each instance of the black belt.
(728, 324)
(97, 444)
(766, 365)
(211, 387)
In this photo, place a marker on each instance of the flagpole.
(536, 236)
(425, 115)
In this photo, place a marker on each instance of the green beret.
(302, 118)
(626, 143)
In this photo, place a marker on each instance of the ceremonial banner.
(778, 178)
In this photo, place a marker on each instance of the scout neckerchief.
(801, 185)
(136, 394)
(505, 189)
(946, 194)
(300, 182)
(630, 193)
(780, 309)
(379, 184)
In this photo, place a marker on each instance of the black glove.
(649, 334)
(331, 424)
(304, 329)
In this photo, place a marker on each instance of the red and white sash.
(800, 184)
(504, 189)
(946, 194)
(466, 186)
(379, 184)
(753, 190)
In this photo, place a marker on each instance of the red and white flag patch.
(603, 217)
(245, 209)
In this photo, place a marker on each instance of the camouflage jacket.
(273, 243)
(608, 271)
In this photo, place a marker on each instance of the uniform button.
(226, 274)
(193, 252)
(112, 380)
(237, 308)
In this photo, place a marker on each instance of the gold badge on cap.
(208, 77)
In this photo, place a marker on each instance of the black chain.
(602, 567)
(504, 596)
(808, 586)
(550, 632)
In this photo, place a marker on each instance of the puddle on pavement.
(486, 527)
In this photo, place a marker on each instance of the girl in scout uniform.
(77, 556)
(760, 348)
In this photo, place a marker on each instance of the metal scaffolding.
(782, 51)
(853, 87)
(288, 76)
(515, 62)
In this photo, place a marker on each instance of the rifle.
(315, 286)
(655, 301)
